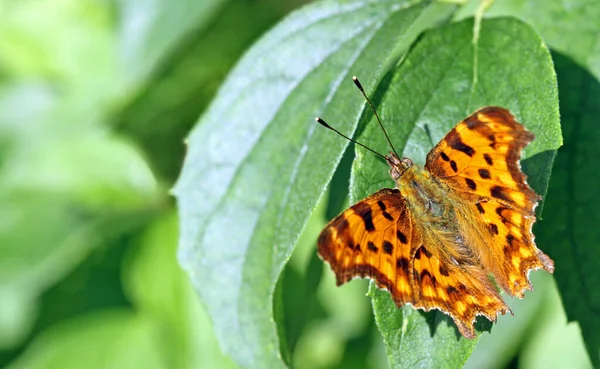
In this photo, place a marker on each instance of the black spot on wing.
(457, 144)
(499, 193)
(388, 248)
(368, 219)
(454, 166)
(387, 216)
(444, 271)
(488, 159)
(371, 246)
(364, 211)
(354, 247)
(402, 263)
(402, 237)
(471, 184)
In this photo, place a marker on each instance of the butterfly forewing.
(480, 156)
(372, 239)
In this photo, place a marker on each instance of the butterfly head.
(397, 166)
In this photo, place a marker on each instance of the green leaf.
(445, 77)
(570, 227)
(570, 27)
(257, 163)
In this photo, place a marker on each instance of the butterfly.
(435, 240)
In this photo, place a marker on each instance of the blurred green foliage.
(96, 100)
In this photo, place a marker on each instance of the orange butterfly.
(434, 240)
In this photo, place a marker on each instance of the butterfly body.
(426, 197)
(435, 240)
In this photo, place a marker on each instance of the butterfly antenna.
(360, 87)
(324, 124)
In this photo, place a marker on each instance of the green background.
(111, 256)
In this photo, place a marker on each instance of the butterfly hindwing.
(512, 249)
(462, 292)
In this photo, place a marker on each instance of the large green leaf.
(449, 74)
(257, 163)
(570, 228)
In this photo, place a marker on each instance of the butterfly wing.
(377, 238)
(372, 239)
(479, 159)
(463, 292)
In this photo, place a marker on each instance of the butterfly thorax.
(434, 208)
(426, 197)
